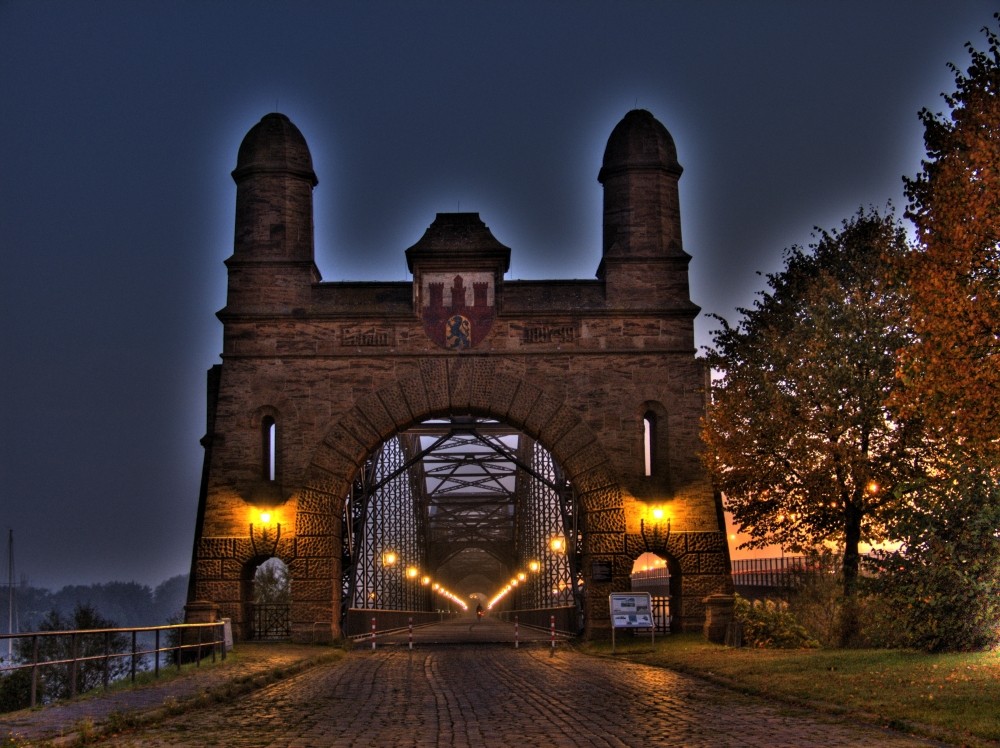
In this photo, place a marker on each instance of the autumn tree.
(798, 435)
(952, 368)
(942, 583)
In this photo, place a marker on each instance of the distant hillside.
(125, 603)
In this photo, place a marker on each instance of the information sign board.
(632, 610)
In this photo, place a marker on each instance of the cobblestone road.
(499, 696)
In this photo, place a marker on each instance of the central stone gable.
(458, 268)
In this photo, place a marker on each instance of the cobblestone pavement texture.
(59, 723)
(484, 696)
(466, 631)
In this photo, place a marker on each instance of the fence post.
(552, 628)
(133, 656)
(517, 640)
(411, 632)
(373, 633)
(156, 656)
(107, 660)
(34, 670)
(72, 666)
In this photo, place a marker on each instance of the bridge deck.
(467, 630)
(489, 696)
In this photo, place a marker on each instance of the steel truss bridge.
(461, 510)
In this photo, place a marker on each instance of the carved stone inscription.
(368, 336)
(549, 334)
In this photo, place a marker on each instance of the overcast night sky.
(120, 127)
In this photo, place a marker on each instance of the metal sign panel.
(631, 610)
(601, 571)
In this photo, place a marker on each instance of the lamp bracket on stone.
(654, 539)
(264, 541)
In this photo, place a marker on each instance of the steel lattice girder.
(472, 487)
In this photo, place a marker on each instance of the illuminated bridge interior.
(458, 513)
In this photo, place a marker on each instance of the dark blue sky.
(121, 122)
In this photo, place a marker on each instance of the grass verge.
(954, 697)
(236, 680)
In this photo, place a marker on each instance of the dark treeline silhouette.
(123, 603)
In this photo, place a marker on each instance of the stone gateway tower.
(316, 376)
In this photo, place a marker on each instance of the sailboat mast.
(10, 592)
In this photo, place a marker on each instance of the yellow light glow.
(533, 566)
(521, 576)
(658, 513)
(265, 517)
(873, 487)
(412, 572)
(389, 558)
(557, 544)
(425, 580)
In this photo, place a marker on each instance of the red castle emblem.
(448, 317)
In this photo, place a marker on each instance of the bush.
(15, 691)
(57, 681)
(817, 599)
(941, 588)
(771, 624)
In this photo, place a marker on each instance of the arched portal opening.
(455, 514)
(659, 575)
(268, 592)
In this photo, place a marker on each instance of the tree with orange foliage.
(798, 435)
(951, 371)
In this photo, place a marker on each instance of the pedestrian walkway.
(482, 695)
(62, 723)
(248, 665)
(466, 630)
(497, 697)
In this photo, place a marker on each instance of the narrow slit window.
(269, 438)
(648, 441)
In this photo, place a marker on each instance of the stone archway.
(320, 373)
(495, 391)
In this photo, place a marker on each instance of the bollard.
(552, 628)
(411, 632)
(373, 634)
(516, 639)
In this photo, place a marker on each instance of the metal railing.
(270, 621)
(789, 571)
(357, 621)
(659, 574)
(661, 613)
(566, 616)
(770, 572)
(144, 646)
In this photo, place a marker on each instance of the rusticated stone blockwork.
(587, 368)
